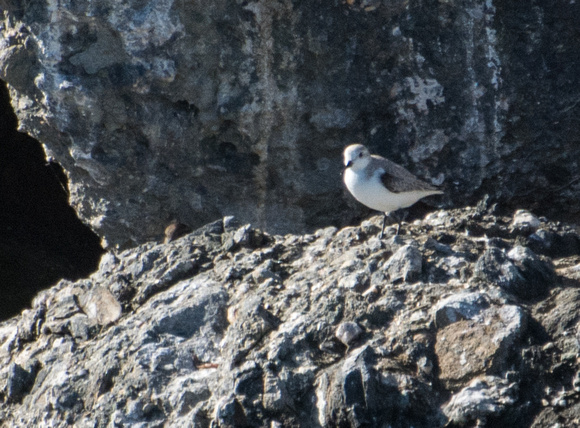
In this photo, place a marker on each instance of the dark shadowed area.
(41, 238)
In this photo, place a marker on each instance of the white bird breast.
(372, 193)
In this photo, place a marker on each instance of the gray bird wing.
(397, 179)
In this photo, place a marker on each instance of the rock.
(160, 109)
(554, 244)
(80, 327)
(20, 381)
(539, 274)
(480, 345)
(100, 306)
(525, 222)
(463, 306)
(370, 228)
(570, 274)
(244, 334)
(558, 317)
(357, 281)
(230, 414)
(501, 269)
(276, 397)
(245, 236)
(406, 264)
(194, 314)
(264, 273)
(29, 325)
(254, 335)
(360, 393)
(576, 382)
(348, 332)
(483, 398)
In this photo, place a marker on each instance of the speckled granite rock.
(230, 327)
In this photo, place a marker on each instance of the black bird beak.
(348, 165)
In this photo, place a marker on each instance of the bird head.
(356, 156)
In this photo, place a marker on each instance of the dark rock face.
(231, 327)
(41, 238)
(164, 111)
(519, 272)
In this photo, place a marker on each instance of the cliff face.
(467, 318)
(162, 110)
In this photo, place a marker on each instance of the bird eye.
(360, 155)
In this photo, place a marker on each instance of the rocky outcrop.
(229, 326)
(149, 113)
(165, 110)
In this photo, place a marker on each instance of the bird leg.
(389, 215)
(395, 215)
(383, 228)
(401, 218)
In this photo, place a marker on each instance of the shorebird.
(381, 184)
